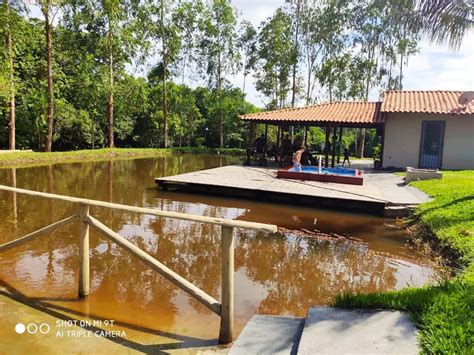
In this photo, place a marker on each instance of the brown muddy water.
(281, 274)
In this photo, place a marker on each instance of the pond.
(315, 255)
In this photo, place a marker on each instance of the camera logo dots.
(20, 328)
(33, 328)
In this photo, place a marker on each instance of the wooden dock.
(379, 191)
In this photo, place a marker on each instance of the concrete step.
(340, 331)
(269, 335)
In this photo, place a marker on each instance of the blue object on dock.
(326, 171)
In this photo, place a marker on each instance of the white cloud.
(438, 68)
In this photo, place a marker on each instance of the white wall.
(403, 138)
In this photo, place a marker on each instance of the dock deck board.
(378, 190)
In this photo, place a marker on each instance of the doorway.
(432, 139)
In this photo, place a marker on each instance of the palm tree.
(446, 20)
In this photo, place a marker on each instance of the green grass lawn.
(444, 313)
(19, 158)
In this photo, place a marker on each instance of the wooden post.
(226, 333)
(340, 146)
(281, 143)
(305, 136)
(334, 140)
(266, 136)
(277, 152)
(382, 142)
(326, 147)
(83, 251)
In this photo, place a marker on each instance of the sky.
(433, 68)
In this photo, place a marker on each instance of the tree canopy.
(151, 73)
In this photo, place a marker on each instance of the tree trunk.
(400, 85)
(245, 74)
(221, 118)
(295, 63)
(165, 106)
(165, 93)
(11, 113)
(221, 131)
(110, 105)
(49, 58)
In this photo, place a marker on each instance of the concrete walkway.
(65, 333)
(330, 331)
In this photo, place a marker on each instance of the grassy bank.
(18, 159)
(444, 313)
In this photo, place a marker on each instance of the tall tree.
(322, 39)
(111, 9)
(187, 18)
(113, 37)
(218, 48)
(295, 11)
(164, 28)
(247, 43)
(275, 59)
(8, 20)
(47, 9)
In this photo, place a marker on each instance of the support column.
(281, 143)
(226, 333)
(326, 147)
(382, 142)
(340, 146)
(266, 135)
(84, 266)
(250, 142)
(305, 136)
(334, 140)
(277, 152)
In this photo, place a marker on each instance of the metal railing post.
(226, 332)
(84, 279)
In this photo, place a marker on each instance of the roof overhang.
(347, 114)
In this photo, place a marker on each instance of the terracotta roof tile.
(337, 112)
(445, 102)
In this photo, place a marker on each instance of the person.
(286, 152)
(306, 158)
(297, 158)
(346, 157)
(273, 152)
(260, 149)
(260, 144)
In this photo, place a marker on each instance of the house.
(428, 129)
(423, 129)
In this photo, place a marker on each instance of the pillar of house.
(339, 146)
(382, 141)
(282, 129)
(250, 142)
(326, 147)
(305, 136)
(277, 148)
(334, 140)
(266, 135)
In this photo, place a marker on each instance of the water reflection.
(280, 274)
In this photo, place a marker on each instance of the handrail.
(167, 273)
(225, 309)
(39, 232)
(150, 211)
